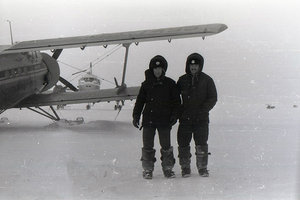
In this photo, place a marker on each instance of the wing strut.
(126, 45)
(123, 86)
(54, 117)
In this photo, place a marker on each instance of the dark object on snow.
(270, 106)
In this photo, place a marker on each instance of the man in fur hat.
(158, 100)
(199, 96)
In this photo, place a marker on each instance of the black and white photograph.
(152, 100)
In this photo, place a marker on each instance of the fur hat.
(158, 61)
(194, 58)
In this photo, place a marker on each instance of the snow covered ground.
(255, 155)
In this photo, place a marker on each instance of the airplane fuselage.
(22, 75)
(89, 82)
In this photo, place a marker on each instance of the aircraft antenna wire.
(95, 61)
(106, 55)
(73, 67)
(99, 59)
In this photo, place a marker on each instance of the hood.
(194, 57)
(158, 61)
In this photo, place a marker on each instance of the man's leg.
(201, 137)
(148, 153)
(167, 156)
(184, 137)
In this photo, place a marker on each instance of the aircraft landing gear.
(88, 106)
(58, 107)
(43, 112)
(118, 107)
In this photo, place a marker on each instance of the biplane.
(27, 74)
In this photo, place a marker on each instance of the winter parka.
(198, 92)
(158, 100)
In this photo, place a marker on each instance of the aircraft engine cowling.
(53, 71)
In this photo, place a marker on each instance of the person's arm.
(176, 101)
(139, 104)
(212, 97)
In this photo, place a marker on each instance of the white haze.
(255, 151)
(255, 155)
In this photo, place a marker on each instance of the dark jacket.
(158, 100)
(199, 95)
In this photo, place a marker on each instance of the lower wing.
(49, 99)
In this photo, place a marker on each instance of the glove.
(173, 120)
(136, 123)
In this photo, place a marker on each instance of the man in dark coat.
(199, 96)
(158, 100)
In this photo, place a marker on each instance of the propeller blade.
(68, 84)
(56, 53)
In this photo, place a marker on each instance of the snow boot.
(169, 173)
(186, 172)
(203, 172)
(185, 155)
(167, 162)
(202, 159)
(148, 159)
(147, 174)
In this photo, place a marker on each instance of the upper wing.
(50, 99)
(118, 38)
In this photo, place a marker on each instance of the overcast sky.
(262, 37)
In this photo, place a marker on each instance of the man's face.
(157, 72)
(194, 68)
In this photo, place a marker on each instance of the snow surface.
(255, 155)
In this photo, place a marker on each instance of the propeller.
(68, 84)
(55, 55)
